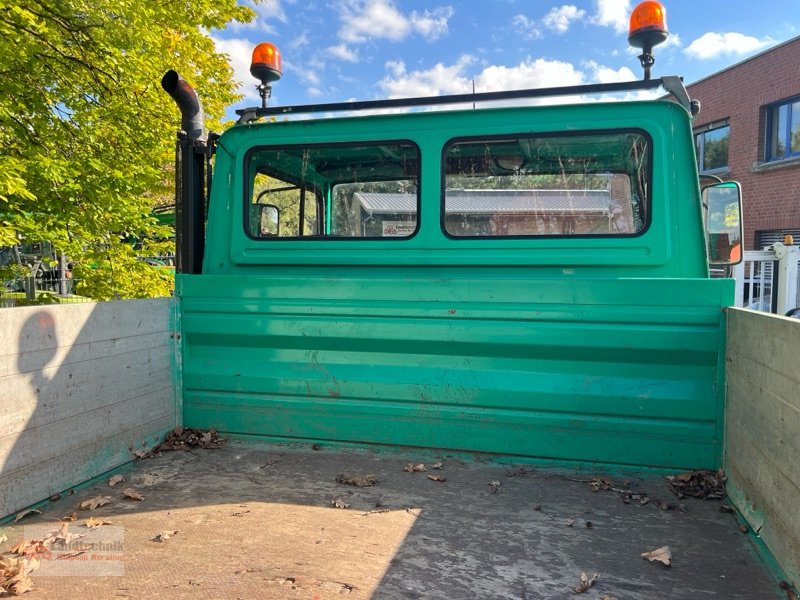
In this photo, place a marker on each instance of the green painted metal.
(604, 350)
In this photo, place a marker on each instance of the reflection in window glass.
(712, 146)
(590, 184)
(342, 191)
(783, 130)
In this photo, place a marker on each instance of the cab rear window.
(586, 184)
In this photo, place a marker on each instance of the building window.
(783, 130)
(711, 147)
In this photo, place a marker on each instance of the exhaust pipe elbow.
(192, 115)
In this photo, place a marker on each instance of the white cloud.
(712, 45)
(344, 52)
(437, 80)
(526, 26)
(603, 74)
(613, 13)
(239, 52)
(560, 18)
(381, 19)
(432, 24)
(272, 10)
(454, 79)
(299, 41)
(537, 73)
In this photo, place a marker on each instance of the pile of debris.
(184, 438)
(708, 485)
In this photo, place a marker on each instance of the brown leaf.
(115, 479)
(569, 522)
(29, 548)
(3, 539)
(585, 583)
(14, 575)
(787, 589)
(70, 517)
(64, 536)
(494, 486)
(24, 513)
(437, 465)
(140, 454)
(662, 555)
(93, 523)
(409, 467)
(163, 536)
(339, 503)
(439, 478)
(743, 528)
(132, 494)
(419, 468)
(357, 479)
(95, 502)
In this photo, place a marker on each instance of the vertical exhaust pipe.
(192, 115)
(190, 164)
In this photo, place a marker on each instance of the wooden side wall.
(79, 385)
(762, 429)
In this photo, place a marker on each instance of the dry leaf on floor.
(93, 523)
(436, 465)
(607, 597)
(339, 503)
(115, 479)
(163, 536)
(140, 454)
(569, 522)
(29, 548)
(699, 484)
(494, 486)
(412, 468)
(357, 479)
(439, 478)
(64, 536)
(95, 502)
(132, 494)
(585, 584)
(70, 517)
(3, 539)
(14, 575)
(24, 513)
(662, 555)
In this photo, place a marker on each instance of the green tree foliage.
(87, 134)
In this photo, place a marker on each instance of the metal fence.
(766, 280)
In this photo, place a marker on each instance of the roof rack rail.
(673, 84)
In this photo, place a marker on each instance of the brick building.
(748, 129)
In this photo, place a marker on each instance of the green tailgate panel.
(497, 360)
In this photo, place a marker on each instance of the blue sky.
(337, 50)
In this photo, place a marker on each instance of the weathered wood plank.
(34, 328)
(28, 362)
(38, 444)
(79, 384)
(765, 339)
(76, 465)
(56, 393)
(761, 429)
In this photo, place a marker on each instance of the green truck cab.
(528, 280)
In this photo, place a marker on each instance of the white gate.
(766, 280)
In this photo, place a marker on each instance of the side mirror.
(265, 220)
(722, 207)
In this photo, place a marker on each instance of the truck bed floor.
(258, 521)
